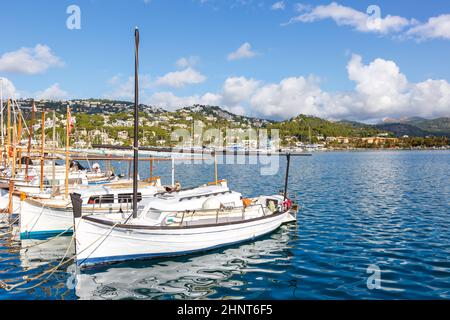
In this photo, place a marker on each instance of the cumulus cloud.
(179, 79)
(54, 92)
(186, 62)
(238, 89)
(243, 52)
(123, 88)
(347, 16)
(170, 101)
(280, 5)
(381, 90)
(436, 28)
(29, 60)
(9, 90)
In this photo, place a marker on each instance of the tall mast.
(8, 133)
(14, 139)
(42, 149)
(33, 109)
(68, 120)
(54, 154)
(286, 180)
(136, 122)
(19, 138)
(1, 116)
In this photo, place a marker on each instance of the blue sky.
(274, 59)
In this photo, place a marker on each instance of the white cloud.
(9, 90)
(29, 60)
(291, 97)
(54, 92)
(238, 89)
(347, 16)
(170, 101)
(381, 90)
(280, 5)
(179, 79)
(124, 88)
(436, 28)
(244, 51)
(186, 62)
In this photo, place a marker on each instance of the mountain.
(416, 126)
(402, 129)
(437, 127)
(302, 127)
(219, 115)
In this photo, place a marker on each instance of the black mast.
(286, 180)
(136, 122)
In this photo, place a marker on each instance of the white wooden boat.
(176, 224)
(43, 218)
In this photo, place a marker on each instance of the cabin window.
(105, 199)
(127, 197)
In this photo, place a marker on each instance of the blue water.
(389, 209)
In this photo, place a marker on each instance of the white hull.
(97, 242)
(40, 221)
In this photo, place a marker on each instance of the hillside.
(417, 127)
(302, 127)
(157, 123)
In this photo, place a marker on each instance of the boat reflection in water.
(188, 277)
(37, 253)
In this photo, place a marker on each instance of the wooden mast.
(30, 135)
(1, 120)
(286, 179)
(54, 154)
(42, 149)
(19, 139)
(14, 139)
(8, 132)
(136, 122)
(66, 193)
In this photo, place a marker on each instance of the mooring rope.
(8, 227)
(52, 270)
(40, 215)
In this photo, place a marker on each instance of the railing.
(188, 214)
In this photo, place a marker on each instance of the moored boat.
(42, 218)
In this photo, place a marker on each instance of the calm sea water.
(389, 209)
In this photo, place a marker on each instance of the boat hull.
(100, 243)
(40, 222)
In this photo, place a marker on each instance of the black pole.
(288, 163)
(136, 123)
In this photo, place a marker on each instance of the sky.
(356, 60)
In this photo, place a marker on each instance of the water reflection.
(37, 253)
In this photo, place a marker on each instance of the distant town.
(110, 122)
